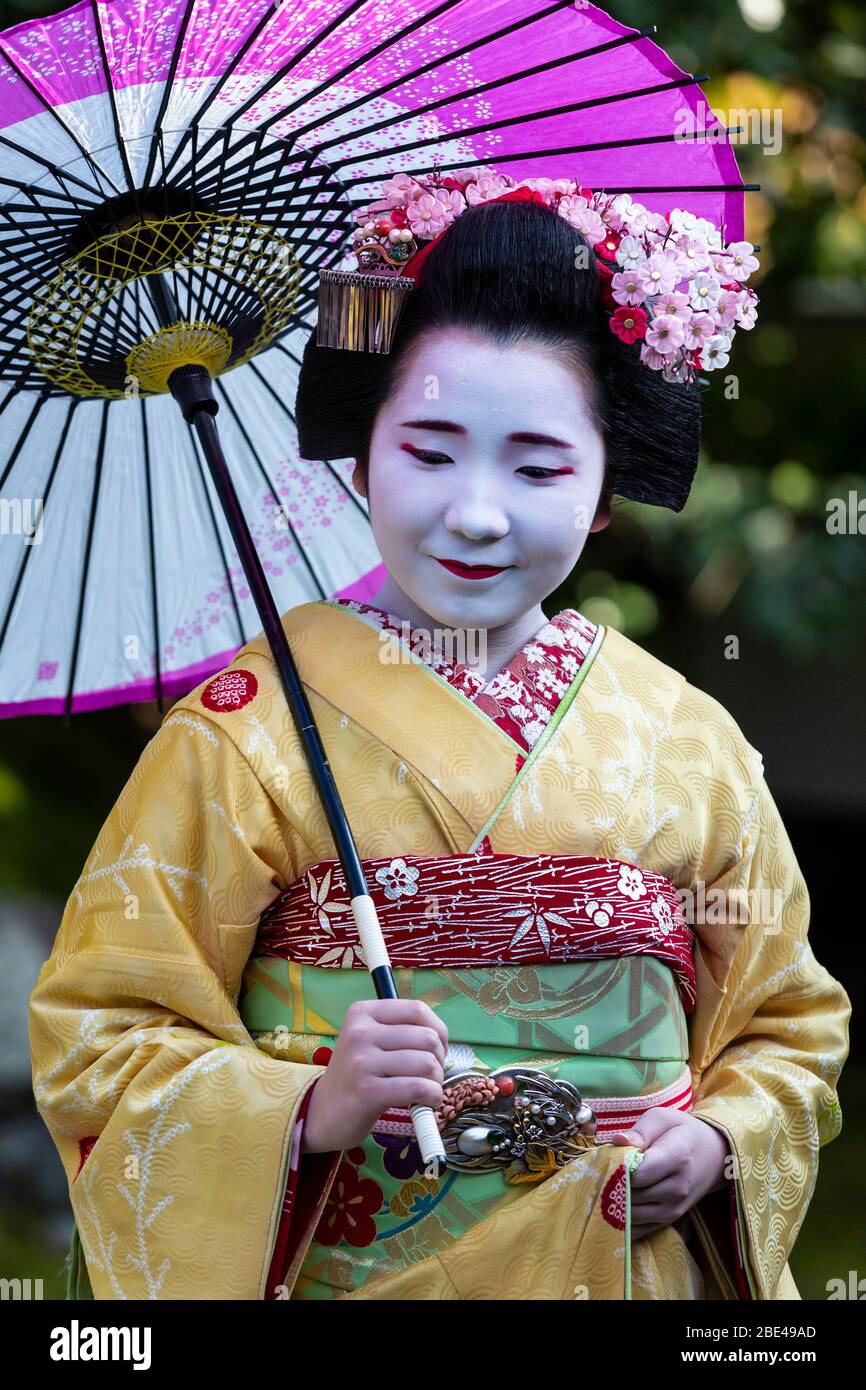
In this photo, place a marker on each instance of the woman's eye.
(427, 456)
(432, 457)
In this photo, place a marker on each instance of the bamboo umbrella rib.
(310, 267)
(114, 307)
(26, 185)
(18, 282)
(206, 192)
(8, 359)
(415, 73)
(85, 569)
(146, 320)
(121, 301)
(215, 286)
(112, 99)
(52, 111)
(494, 84)
(193, 439)
(539, 154)
(207, 181)
(26, 270)
(334, 78)
(524, 119)
(287, 229)
(7, 399)
(301, 323)
(668, 138)
(46, 163)
(260, 200)
(182, 284)
(162, 181)
(151, 539)
(689, 188)
(218, 194)
(19, 385)
(72, 404)
(503, 32)
(281, 347)
(220, 389)
(103, 346)
(264, 197)
(281, 403)
(195, 119)
(28, 231)
(157, 137)
(194, 163)
(22, 438)
(276, 77)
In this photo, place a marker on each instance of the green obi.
(611, 1027)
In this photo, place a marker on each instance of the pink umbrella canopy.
(220, 151)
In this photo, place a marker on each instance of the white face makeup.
(489, 457)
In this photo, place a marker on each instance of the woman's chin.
(452, 602)
(473, 611)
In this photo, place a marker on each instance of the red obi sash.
(446, 911)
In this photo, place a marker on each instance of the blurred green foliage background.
(753, 543)
(751, 554)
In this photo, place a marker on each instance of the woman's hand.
(389, 1052)
(685, 1159)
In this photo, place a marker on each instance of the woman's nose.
(478, 517)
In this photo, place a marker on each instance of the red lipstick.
(471, 571)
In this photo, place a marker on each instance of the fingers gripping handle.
(376, 955)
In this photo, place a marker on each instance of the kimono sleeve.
(176, 1132)
(774, 1042)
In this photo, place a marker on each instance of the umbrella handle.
(376, 955)
(192, 388)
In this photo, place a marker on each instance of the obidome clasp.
(517, 1119)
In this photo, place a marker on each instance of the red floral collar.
(522, 698)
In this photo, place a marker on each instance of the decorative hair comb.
(668, 282)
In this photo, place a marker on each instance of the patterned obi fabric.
(579, 967)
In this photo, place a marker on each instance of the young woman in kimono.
(228, 1099)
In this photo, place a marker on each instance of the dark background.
(750, 557)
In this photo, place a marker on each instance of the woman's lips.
(471, 571)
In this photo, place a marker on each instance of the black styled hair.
(511, 270)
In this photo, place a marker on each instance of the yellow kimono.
(175, 1128)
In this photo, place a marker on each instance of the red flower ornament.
(629, 323)
(609, 244)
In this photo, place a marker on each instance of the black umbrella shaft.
(195, 396)
(162, 297)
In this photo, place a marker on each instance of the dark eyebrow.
(519, 437)
(447, 426)
(527, 437)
